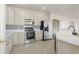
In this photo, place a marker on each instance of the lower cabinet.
(9, 48)
(19, 38)
(38, 35)
(66, 48)
(14, 39)
(9, 44)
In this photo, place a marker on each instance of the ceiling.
(68, 10)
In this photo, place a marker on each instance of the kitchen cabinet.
(9, 48)
(39, 17)
(19, 38)
(38, 35)
(26, 14)
(15, 41)
(35, 16)
(66, 48)
(16, 16)
(19, 16)
(10, 15)
(36, 20)
(9, 44)
(29, 14)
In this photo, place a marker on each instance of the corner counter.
(67, 43)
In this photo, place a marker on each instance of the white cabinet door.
(15, 41)
(10, 15)
(36, 19)
(26, 14)
(29, 14)
(19, 16)
(9, 44)
(21, 37)
(9, 48)
(11, 38)
(38, 35)
(7, 15)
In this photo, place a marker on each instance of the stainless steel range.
(30, 34)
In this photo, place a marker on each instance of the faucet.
(73, 33)
(72, 27)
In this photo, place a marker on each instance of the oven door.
(30, 35)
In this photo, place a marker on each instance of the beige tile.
(38, 47)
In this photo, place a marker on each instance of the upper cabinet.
(39, 16)
(29, 15)
(19, 16)
(10, 15)
(36, 19)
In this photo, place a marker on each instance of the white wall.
(64, 22)
(2, 27)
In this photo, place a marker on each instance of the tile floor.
(38, 47)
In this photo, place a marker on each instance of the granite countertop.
(68, 38)
(9, 32)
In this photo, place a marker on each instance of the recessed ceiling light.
(43, 7)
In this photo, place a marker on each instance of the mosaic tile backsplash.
(14, 27)
(10, 27)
